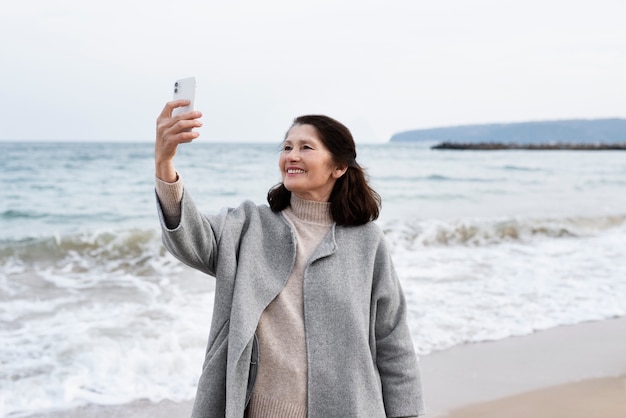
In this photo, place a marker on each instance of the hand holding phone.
(185, 88)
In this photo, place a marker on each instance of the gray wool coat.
(361, 361)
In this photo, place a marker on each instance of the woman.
(309, 319)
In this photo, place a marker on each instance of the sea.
(487, 245)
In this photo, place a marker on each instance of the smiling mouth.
(295, 171)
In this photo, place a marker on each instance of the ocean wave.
(512, 167)
(480, 232)
(55, 218)
(135, 251)
(436, 178)
(21, 214)
(87, 316)
(78, 338)
(440, 177)
(132, 251)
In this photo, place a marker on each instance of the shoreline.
(544, 369)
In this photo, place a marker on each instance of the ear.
(339, 171)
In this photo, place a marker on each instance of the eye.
(287, 147)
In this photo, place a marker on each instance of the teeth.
(295, 171)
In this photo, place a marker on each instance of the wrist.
(166, 172)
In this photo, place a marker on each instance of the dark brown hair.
(352, 200)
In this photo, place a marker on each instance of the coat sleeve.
(395, 355)
(194, 240)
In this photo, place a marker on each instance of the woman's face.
(307, 166)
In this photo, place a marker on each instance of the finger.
(174, 126)
(185, 137)
(184, 121)
(192, 115)
(169, 106)
(187, 124)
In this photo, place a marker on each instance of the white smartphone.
(185, 88)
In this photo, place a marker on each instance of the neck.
(311, 211)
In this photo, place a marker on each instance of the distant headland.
(575, 134)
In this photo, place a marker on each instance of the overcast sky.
(80, 70)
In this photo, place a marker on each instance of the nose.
(294, 155)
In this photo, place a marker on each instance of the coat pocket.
(254, 367)
(211, 392)
(215, 346)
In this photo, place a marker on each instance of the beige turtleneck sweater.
(281, 386)
(280, 390)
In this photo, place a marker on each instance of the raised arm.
(193, 242)
(171, 132)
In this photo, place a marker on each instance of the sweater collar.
(311, 211)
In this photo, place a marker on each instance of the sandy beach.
(604, 398)
(570, 371)
(574, 371)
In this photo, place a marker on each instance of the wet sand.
(604, 398)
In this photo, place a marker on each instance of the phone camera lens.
(175, 90)
(176, 84)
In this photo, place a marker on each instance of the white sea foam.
(100, 318)
(460, 294)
